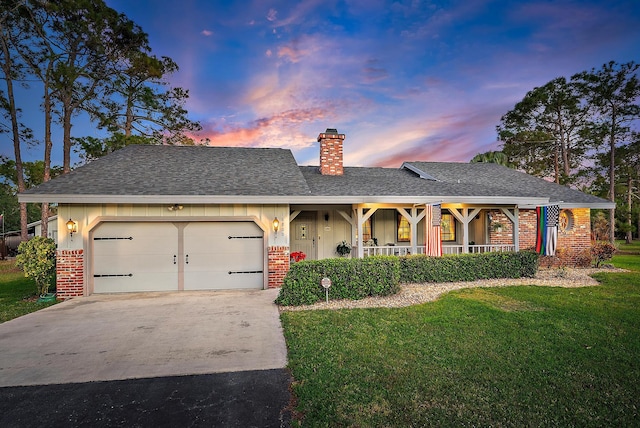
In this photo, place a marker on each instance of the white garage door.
(130, 257)
(223, 255)
(135, 257)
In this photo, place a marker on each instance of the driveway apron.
(143, 335)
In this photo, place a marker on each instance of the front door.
(304, 236)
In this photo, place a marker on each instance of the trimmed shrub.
(381, 275)
(468, 267)
(351, 279)
(37, 258)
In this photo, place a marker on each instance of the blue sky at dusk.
(404, 80)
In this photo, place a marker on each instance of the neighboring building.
(161, 218)
(35, 228)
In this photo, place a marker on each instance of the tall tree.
(628, 173)
(541, 134)
(86, 36)
(137, 109)
(614, 91)
(139, 105)
(492, 157)
(38, 53)
(10, 34)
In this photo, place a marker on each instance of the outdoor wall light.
(276, 224)
(175, 207)
(72, 226)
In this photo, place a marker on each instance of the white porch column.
(359, 243)
(465, 218)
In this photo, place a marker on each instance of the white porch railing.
(446, 249)
(387, 250)
(488, 248)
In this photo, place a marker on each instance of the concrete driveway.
(143, 335)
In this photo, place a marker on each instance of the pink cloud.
(292, 53)
(283, 129)
(206, 33)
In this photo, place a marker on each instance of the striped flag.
(547, 233)
(432, 239)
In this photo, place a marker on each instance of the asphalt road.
(240, 399)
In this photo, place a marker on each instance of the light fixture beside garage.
(276, 224)
(72, 227)
(175, 207)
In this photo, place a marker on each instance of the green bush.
(37, 258)
(381, 275)
(468, 267)
(351, 279)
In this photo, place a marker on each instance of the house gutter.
(271, 199)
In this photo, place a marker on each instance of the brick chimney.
(331, 152)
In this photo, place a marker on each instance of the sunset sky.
(404, 80)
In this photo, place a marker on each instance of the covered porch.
(399, 229)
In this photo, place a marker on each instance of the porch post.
(359, 215)
(465, 230)
(414, 230)
(465, 218)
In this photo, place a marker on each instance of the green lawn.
(514, 356)
(15, 293)
(627, 256)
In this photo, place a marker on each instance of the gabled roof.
(142, 172)
(200, 174)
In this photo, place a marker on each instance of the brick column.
(278, 265)
(69, 273)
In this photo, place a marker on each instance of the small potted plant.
(343, 248)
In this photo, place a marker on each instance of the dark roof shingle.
(184, 170)
(144, 172)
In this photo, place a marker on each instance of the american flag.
(432, 240)
(547, 233)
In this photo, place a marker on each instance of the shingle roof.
(142, 173)
(499, 179)
(146, 170)
(390, 182)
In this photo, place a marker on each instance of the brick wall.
(528, 229)
(69, 273)
(331, 154)
(503, 236)
(574, 242)
(278, 265)
(571, 243)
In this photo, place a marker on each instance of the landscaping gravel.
(414, 294)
